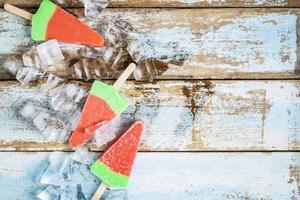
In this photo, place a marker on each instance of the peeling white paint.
(14, 32)
(165, 43)
(212, 176)
(175, 176)
(259, 43)
(238, 115)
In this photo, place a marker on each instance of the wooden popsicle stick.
(118, 84)
(17, 11)
(101, 189)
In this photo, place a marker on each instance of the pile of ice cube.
(81, 62)
(52, 63)
(58, 116)
(69, 178)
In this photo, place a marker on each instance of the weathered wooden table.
(225, 125)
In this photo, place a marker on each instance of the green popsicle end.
(40, 20)
(110, 95)
(108, 176)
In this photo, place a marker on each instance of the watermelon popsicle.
(52, 22)
(115, 164)
(103, 103)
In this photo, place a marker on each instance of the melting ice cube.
(49, 193)
(56, 134)
(52, 177)
(71, 192)
(82, 93)
(13, 64)
(82, 155)
(52, 82)
(74, 119)
(107, 132)
(41, 121)
(71, 90)
(26, 75)
(31, 58)
(116, 195)
(49, 53)
(57, 158)
(93, 8)
(67, 97)
(28, 111)
(87, 180)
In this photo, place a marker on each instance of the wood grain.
(175, 176)
(180, 116)
(209, 43)
(168, 3)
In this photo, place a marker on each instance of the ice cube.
(50, 53)
(63, 135)
(56, 134)
(103, 136)
(116, 195)
(92, 52)
(68, 106)
(134, 47)
(60, 170)
(48, 131)
(82, 155)
(87, 67)
(115, 34)
(81, 95)
(57, 99)
(71, 192)
(110, 54)
(145, 71)
(28, 111)
(60, 102)
(92, 8)
(57, 158)
(66, 163)
(63, 1)
(26, 75)
(67, 97)
(52, 82)
(31, 58)
(72, 90)
(13, 64)
(52, 177)
(87, 180)
(90, 68)
(69, 170)
(108, 131)
(74, 119)
(49, 193)
(117, 59)
(79, 73)
(41, 121)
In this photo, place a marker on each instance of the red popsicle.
(115, 164)
(52, 22)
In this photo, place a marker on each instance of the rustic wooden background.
(225, 125)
